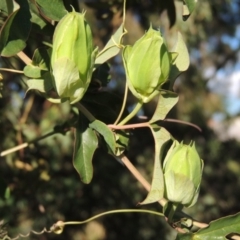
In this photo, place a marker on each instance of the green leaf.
(165, 103)
(173, 56)
(188, 7)
(5, 30)
(42, 85)
(42, 58)
(107, 134)
(182, 61)
(6, 6)
(86, 143)
(39, 25)
(15, 31)
(122, 142)
(53, 9)
(217, 229)
(112, 48)
(161, 137)
(33, 71)
(40, 63)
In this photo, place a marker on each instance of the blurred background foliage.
(43, 184)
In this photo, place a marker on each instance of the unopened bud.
(72, 57)
(182, 170)
(147, 65)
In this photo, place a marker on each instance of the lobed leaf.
(161, 137)
(166, 101)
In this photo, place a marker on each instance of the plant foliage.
(67, 70)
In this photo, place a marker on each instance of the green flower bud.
(182, 170)
(147, 65)
(72, 57)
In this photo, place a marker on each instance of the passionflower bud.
(73, 56)
(147, 65)
(182, 170)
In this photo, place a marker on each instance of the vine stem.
(59, 226)
(26, 144)
(131, 114)
(57, 129)
(86, 113)
(129, 126)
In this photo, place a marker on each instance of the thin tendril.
(113, 212)
(131, 114)
(123, 104)
(183, 122)
(28, 234)
(124, 12)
